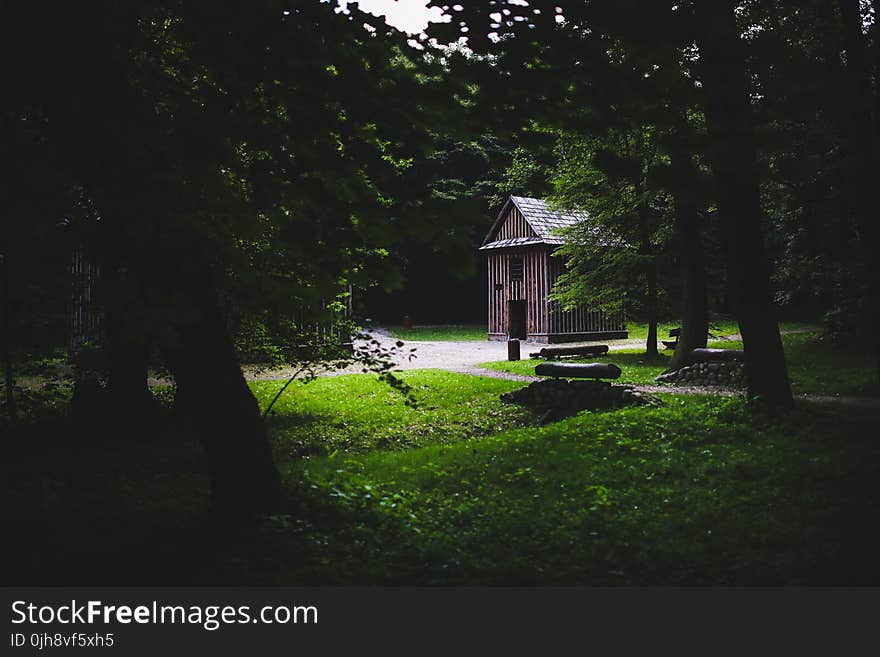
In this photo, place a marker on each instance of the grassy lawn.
(355, 413)
(820, 366)
(451, 333)
(639, 330)
(816, 365)
(697, 492)
(465, 490)
(718, 328)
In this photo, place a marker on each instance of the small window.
(516, 269)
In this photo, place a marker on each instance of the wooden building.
(522, 271)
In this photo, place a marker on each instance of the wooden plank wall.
(579, 320)
(86, 319)
(499, 272)
(514, 225)
(533, 288)
(537, 283)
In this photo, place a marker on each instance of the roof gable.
(541, 220)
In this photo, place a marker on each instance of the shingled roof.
(541, 220)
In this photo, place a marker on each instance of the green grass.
(639, 330)
(698, 492)
(466, 490)
(818, 365)
(718, 328)
(452, 333)
(356, 412)
(635, 367)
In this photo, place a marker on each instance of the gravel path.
(464, 356)
(452, 356)
(459, 356)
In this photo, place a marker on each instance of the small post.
(513, 350)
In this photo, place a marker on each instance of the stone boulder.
(558, 398)
(719, 374)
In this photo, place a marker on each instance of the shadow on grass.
(702, 491)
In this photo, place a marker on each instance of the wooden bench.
(552, 353)
(672, 344)
(579, 370)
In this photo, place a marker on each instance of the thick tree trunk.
(694, 293)
(862, 136)
(733, 156)
(216, 403)
(127, 362)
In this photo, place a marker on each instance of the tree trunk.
(733, 155)
(215, 401)
(646, 251)
(694, 294)
(861, 144)
(126, 351)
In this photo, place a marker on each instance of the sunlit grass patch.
(357, 412)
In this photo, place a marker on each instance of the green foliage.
(278, 156)
(450, 189)
(45, 402)
(611, 177)
(254, 343)
(239, 144)
(41, 390)
(525, 175)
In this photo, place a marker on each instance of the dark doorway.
(516, 327)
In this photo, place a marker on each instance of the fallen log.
(716, 355)
(579, 370)
(551, 353)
